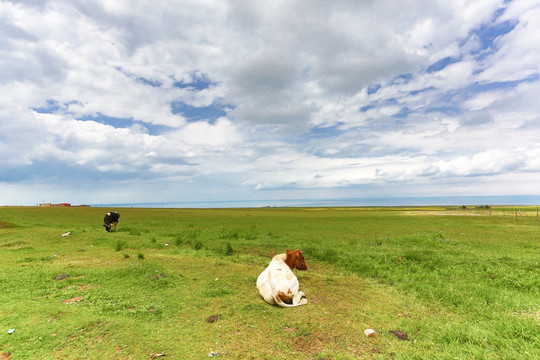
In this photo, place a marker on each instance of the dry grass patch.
(73, 300)
(5, 225)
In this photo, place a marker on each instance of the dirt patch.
(79, 287)
(400, 335)
(155, 277)
(73, 300)
(5, 225)
(5, 356)
(213, 318)
(309, 344)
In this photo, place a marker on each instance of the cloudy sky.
(115, 101)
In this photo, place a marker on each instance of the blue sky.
(107, 101)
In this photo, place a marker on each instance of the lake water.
(395, 201)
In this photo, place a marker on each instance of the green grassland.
(461, 283)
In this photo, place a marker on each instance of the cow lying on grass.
(111, 218)
(277, 284)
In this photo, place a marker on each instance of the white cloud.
(486, 163)
(518, 52)
(284, 95)
(220, 135)
(483, 100)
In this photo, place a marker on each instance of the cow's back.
(111, 217)
(263, 284)
(115, 216)
(275, 278)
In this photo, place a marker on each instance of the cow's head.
(295, 259)
(107, 227)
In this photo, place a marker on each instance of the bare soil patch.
(5, 225)
(73, 300)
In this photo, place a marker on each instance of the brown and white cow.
(277, 284)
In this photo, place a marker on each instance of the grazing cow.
(111, 218)
(277, 284)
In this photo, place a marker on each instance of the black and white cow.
(111, 218)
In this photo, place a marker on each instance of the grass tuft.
(120, 245)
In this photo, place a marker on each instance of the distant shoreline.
(509, 200)
(438, 201)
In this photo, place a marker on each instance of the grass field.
(462, 284)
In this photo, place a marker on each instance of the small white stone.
(370, 332)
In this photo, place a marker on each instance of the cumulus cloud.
(267, 97)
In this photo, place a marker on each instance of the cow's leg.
(286, 298)
(115, 226)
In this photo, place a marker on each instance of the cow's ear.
(289, 251)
